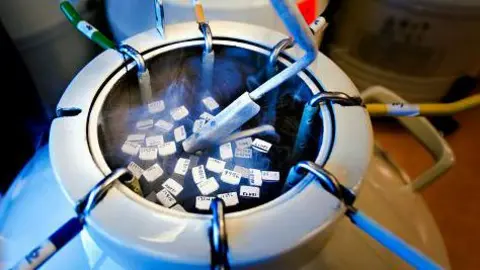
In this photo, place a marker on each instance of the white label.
(172, 186)
(148, 153)
(179, 208)
(243, 153)
(180, 134)
(154, 140)
(206, 116)
(242, 170)
(231, 177)
(37, 256)
(86, 28)
(135, 169)
(164, 125)
(255, 177)
(208, 186)
(244, 143)
(230, 198)
(401, 109)
(153, 173)
(167, 149)
(215, 165)
(203, 202)
(165, 198)
(145, 124)
(270, 176)
(156, 107)
(179, 113)
(130, 148)
(261, 145)
(226, 151)
(136, 137)
(198, 124)
(182, 166)
(210, 103)
(198, 174)
(318, 25)
(250, 192)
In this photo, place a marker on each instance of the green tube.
(83, 26)
(304, 131)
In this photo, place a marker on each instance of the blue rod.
(393, 243)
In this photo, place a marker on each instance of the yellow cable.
(425, 109)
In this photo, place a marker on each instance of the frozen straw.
(244, 107)
(100, 39)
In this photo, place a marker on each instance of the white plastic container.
(127, 231)
(416, 48)
(125, 23)
(51, 48)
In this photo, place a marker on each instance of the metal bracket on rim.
(328, 182)
(336, 97)
(218, 236)
(207, 35)
(129, 51)
(277, 49)
(382, 235)
(91, 199)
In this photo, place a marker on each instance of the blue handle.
(54, 243)
(396, 245)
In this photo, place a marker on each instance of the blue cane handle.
(48, 248)
(393, 243)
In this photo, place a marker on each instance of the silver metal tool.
(265, 130)
(244, 107)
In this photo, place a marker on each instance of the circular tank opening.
(245, 172)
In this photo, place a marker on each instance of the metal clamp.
(382, 235)
(135, 55)
(91, 199)
(328, 182)
(277, 49)
(218, 241)
(207, 35)
(336, 97)
(159, 17)
(255, 80)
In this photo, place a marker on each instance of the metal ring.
(277, 49)
(207, 35)
(337, 97)
(98, 191)
(219, 236)
(135, 55)
(326, 179)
